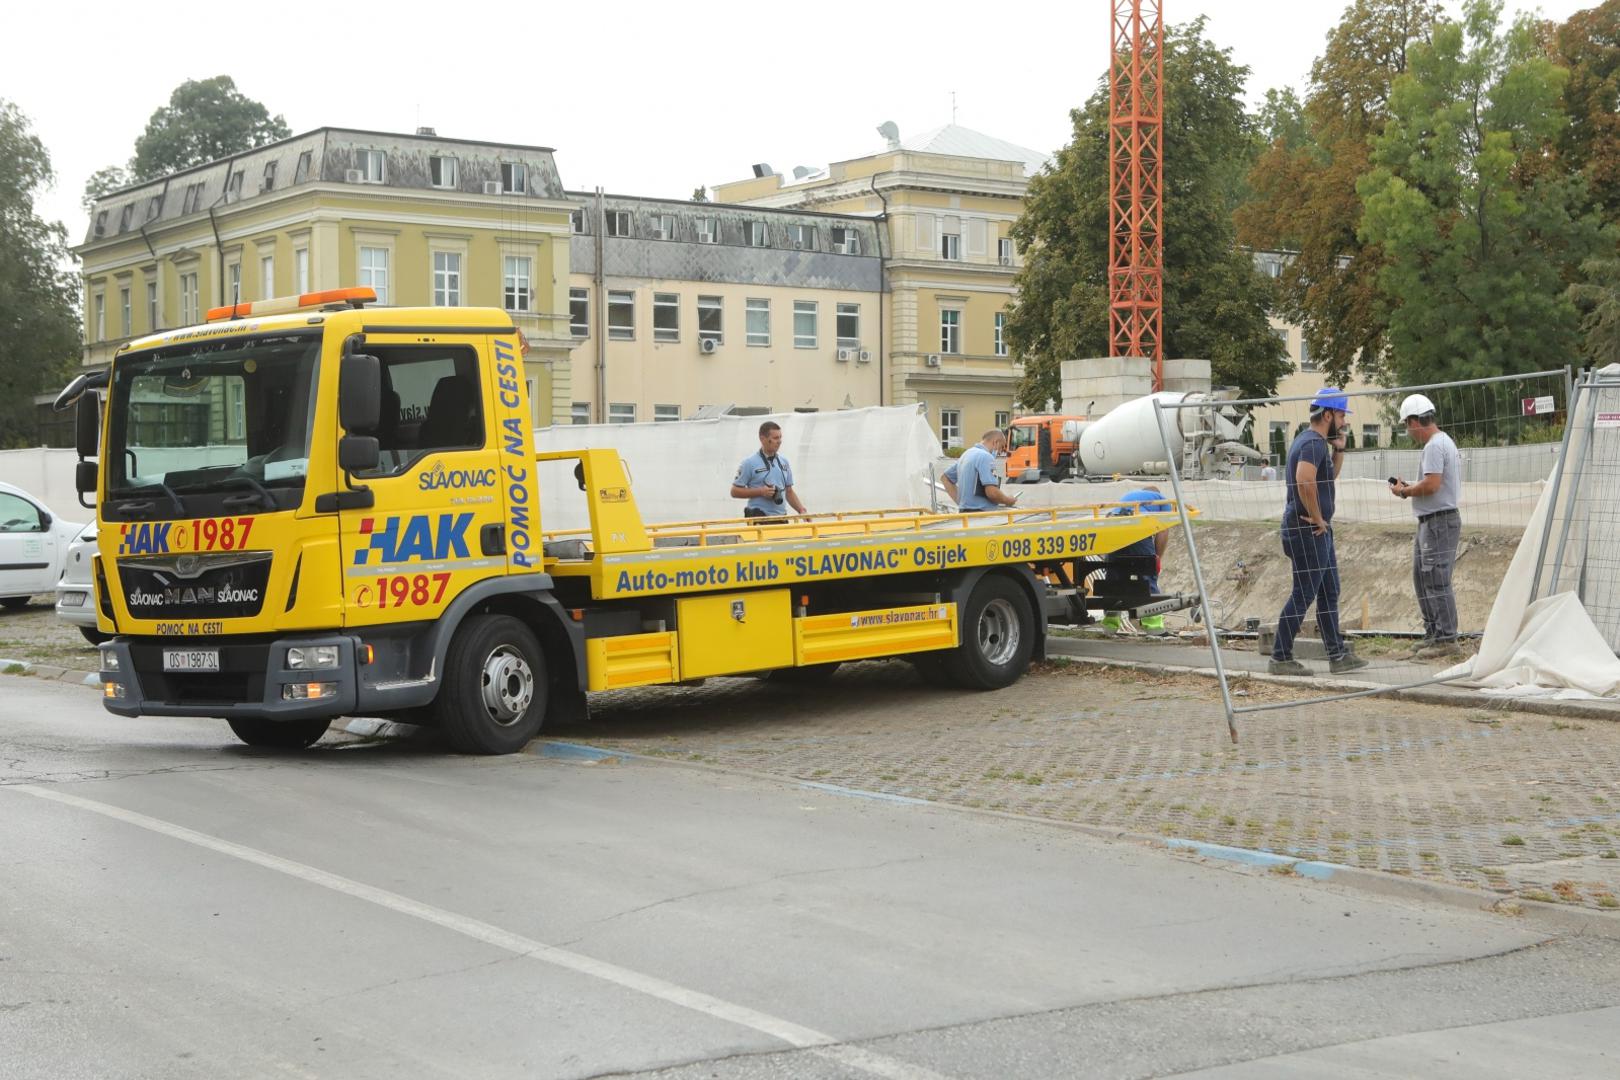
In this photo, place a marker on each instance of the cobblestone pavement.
(35, 635)
(1516, 803)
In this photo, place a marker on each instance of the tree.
(1282, 120)
(1588, 44)
(700, 194)
(39, 323)
(101, 182)
(1214, 301)
(204, 120)
(1479, 241)
(1599, 298)
(1305, 189)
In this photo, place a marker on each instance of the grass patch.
(1513, 840)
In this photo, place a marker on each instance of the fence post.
(1571, 399)
(1590, 383)
(1198, 573)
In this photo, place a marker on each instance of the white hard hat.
(1416, 405)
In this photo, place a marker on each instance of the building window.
(708, 230)
(950, 331)
(950, 428)
(666, 316)
(126, 309)
(233, 283)
(1278, 440)
(373, 166)
(1004, 251)
(845, 240)
(188, 298)
(193, 199)
(621, 316)
(444, 172)
(621, 412)
(126, 217)
(374, 271)
(518, 276)
(99, 328)
(1307, 362)
(579, 312)
(805, 314)
(618, 222)
(301, 170)
(580, 412)
(151, 305)
(711, 319)
(1369, 436)
(663, 414)
(804, 237)
(301, 270)
(759, 234)
(759, 321)
(267, 276)
(101, 223)
(849, 326)
(1281, 334)
(233, 185)
(514, 178)
(1003, 419)
(1001, 335)
(154, 207)
(267, 182)
(950, 246)
(663, 226)
(446, 279)
(576, 218)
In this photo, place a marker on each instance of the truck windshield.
(213, 416)
(1022, 435)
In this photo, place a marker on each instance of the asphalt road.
(175, 905)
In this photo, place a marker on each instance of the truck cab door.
(434, 526)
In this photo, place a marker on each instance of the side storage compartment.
(881, 632)
(735, 632)
(614, 663)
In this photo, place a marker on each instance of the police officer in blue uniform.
(765, 479)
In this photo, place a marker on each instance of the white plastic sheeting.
(853, 459)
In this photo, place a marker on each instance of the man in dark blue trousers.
(1307, 537)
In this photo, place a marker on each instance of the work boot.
(1440, 649)
(1287, 667)
(1109, 624)
(1347, 662)
(1153, 625)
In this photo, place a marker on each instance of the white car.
(33, 546)
(74, 600)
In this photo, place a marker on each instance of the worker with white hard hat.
(1434, 549)
(1307, 536)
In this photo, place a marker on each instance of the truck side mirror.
(358, 453)
(87, 425)
(360, 393)
(84, 480)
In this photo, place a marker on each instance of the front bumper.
(82, 613)
(249, 684)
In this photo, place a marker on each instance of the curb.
(49, 671)
(1457, 699)
(1551, 916)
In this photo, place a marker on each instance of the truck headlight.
(311, 657)
(109, 660)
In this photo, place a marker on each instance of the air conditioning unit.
(706, 346)
(864, 357)
(354, 176)
(845, 355)
(932, 359)
(492, 187)
(1006, 260)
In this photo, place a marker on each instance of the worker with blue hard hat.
(1314, 461)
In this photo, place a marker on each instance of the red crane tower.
(1136, 182)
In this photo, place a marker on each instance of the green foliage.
(1599, 299)
(1588, 44)
(204, 120)
(39, 324)
(1477, 241)
(101, 182)
(1282, 120)
(1214, 301)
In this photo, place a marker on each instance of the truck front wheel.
(998, 635)
(280, 734)
(495, 686)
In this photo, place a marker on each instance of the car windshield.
(223, 415)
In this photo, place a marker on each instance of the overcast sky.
(639, 98)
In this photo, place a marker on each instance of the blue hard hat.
(1331, 397)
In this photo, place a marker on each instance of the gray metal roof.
(959, 141)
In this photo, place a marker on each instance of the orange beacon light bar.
(282, 305)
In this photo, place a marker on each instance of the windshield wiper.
(147, 507)
(260, 492)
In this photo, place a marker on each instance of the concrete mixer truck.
(1205, 441)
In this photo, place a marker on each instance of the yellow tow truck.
(310, 507)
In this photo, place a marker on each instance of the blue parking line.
(1320, 871)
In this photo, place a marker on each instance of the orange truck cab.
(1043, 447)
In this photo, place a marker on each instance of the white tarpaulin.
(853, 459)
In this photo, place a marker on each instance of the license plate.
(190, 659)
(73, 599)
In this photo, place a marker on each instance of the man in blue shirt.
(1150, 547)
(972, 479)
(765, 479)
(1307, 536)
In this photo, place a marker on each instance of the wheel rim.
(998, 632)
(508, 685)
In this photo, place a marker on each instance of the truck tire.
(998, 636)
(495, 686)
(935, 667)
(280, 734)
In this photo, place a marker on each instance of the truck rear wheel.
(495, 686)
(280, 734)
(998, 635)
